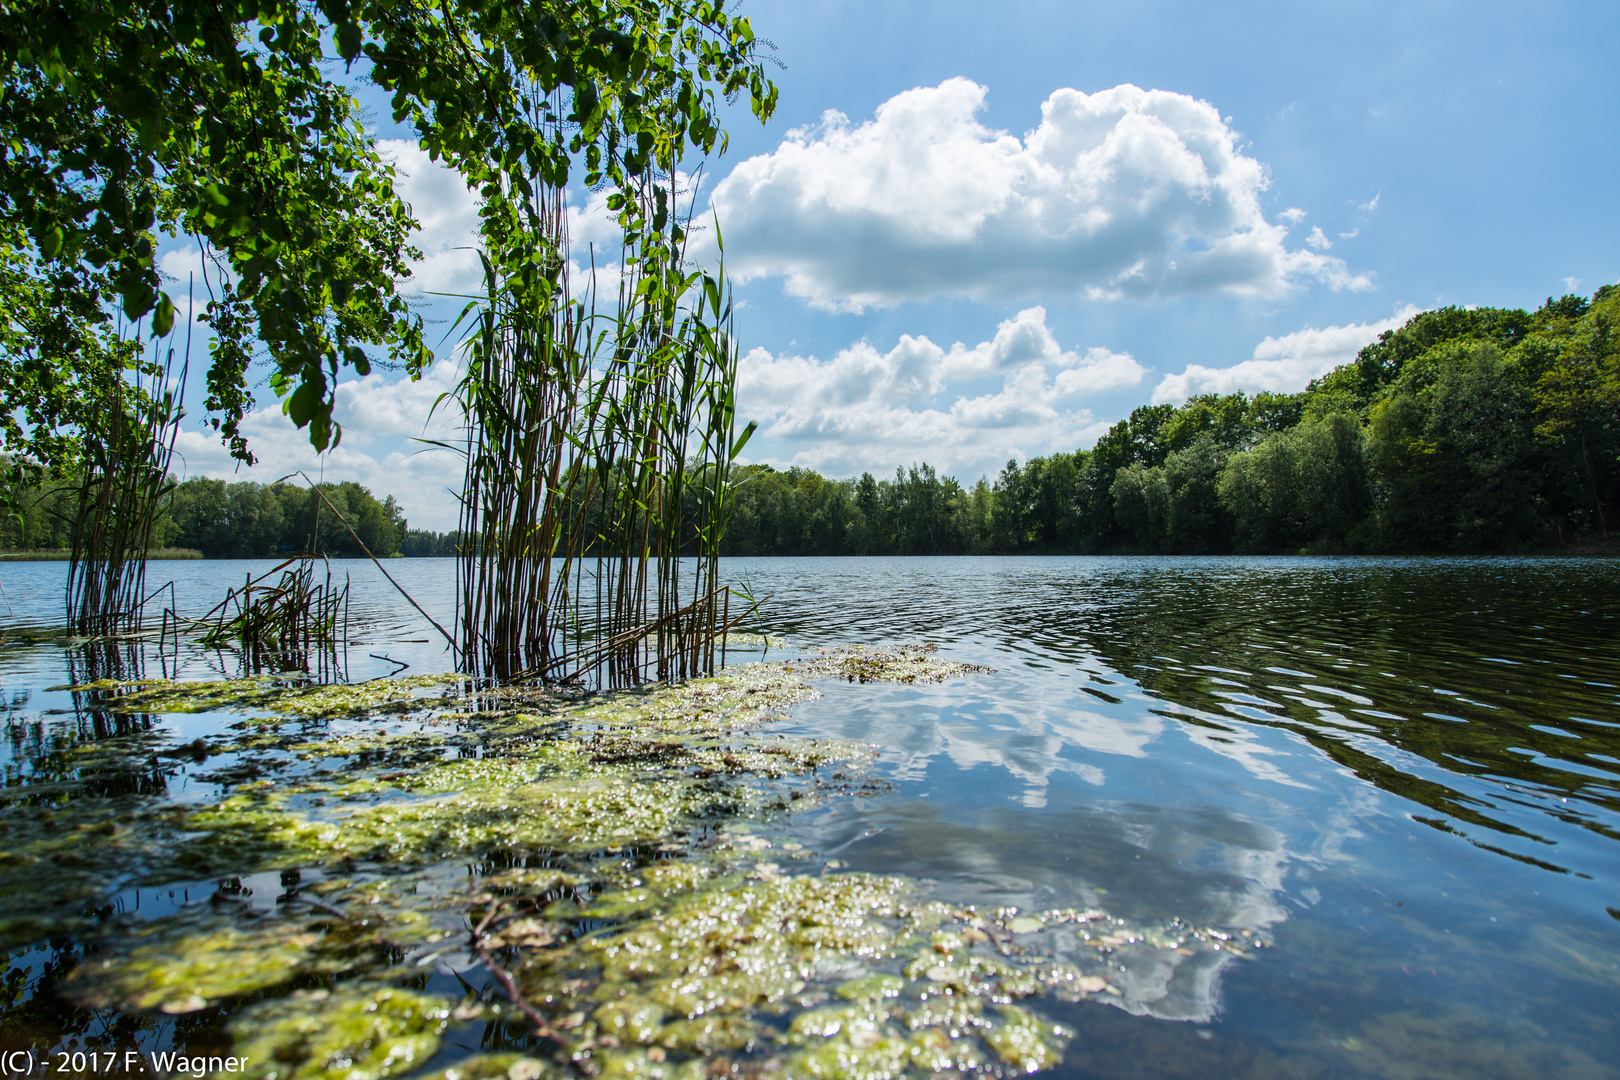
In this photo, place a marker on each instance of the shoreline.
(63, 555)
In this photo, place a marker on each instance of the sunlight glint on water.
(1403, 771)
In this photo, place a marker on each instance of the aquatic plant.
(127, 445)
(899, 663)
(598, 446)
(612, 877)
(283, 623)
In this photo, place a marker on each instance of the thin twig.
(509, 985)
(317, 489)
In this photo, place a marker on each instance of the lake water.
(1401, 776)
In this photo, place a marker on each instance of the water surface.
(1401, 773)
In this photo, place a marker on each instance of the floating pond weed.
(899, 663)
(354, 1034)
(614, 862)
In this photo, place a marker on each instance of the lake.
(1374, 802)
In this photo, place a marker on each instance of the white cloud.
(1126, 192)
(1293, 215)
(1318, 239)
(190, 280)
(1281, 364)
(379, 419)
(448, 214)
(866, 409)
(377, 406)
(183, 265)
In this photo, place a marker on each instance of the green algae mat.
(422, 877)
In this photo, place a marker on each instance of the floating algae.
(708, 963)
(899, 663)
(364, 1034)
(288, 695)
(612, 858)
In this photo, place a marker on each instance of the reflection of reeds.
(128, 443)
(598, 455)
(111, 664)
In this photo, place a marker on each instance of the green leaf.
(742, 440)
(163, 316)
(348, 40)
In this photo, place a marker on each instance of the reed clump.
(600, 437)
(286, 623)
(127, 444)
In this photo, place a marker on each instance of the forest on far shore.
(1464, 431)
(243, 520)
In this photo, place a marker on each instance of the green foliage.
(251, 521)
(1577, 394)
(1305, 487)
(119, 123)
(798, 512)
(1354, 386)
(1466, 430)
(1036, 506)
(1452, 453)
(427, 544)
(1195, 520)
(126, 121)
(63, 362)
(1141, 503)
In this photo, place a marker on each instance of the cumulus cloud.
(448, 214)
(1122, 193)
(380, 418)
(866, 408)
(1281, 364)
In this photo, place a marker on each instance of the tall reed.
(598, 449)
(668, 439)
(127, 446)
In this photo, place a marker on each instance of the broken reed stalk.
(316, 488)
(598, 456)
(509, 986)
(287, 621)
(128, 444)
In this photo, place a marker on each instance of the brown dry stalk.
(509, 986)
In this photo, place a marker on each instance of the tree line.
(222, 520)
(1466, 430)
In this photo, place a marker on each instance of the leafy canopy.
(227, 122)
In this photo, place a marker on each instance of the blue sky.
(975, 232)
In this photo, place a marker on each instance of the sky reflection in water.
(1403, 772)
